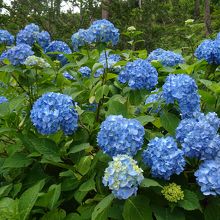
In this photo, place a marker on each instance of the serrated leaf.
(102, 206)
(4, 190)
(145, 119)
(137, 208)
(88, 185)
(84, 165)
(78, 148)
(190, 201)
(28, 199)
(166, 214)
(149, 182)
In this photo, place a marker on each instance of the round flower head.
(173, 192)
(26, 37)
(6, 38)
(183, 89)
(208, 177)
(17, 54)
(32, 27)
(85, 71)
(36, 61)
(3, 99)
(81, 38)
(166, 58)
(43, 39)
(61, 47)
(163, 157)
(198, 136)
(104, 31)
(68, 76)
(139, 75)
(112, 59)
(120, 135)
(218, 36)
(54, 111)
(209, 50)
(123, 176)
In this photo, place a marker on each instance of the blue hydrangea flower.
(43, 39)
(81, 38)
(85, 71)
(120, 135)
(218, 36)
(155, 97)
(54, 111)
(99, 72)
(26, 37)
(112, 59)
(209, 50)
(123, 176)
(164, 158)
(183, 89)
(61, 47)
(139, 74)
(67, 75)
(166, 58)
(3, 99)
(6, 38)
(198, 136)
(104, 31)
(208, 177)
(32, 27)
(17, 54)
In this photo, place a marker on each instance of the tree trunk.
(197, 9)
(208, 29)
(105, 10)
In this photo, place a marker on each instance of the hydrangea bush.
(89, 131)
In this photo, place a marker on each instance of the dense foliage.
(107, 134)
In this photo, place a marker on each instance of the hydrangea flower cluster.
(54, 111)
(208, 177)
(173, 192)
(112, 59)
(43, 39)
(183, 89)
(123, 176)
(3, 99)
(17, 54)
(166, 57)
(139, 74)
(209, 50)
(81, 38)
(104, 31)
(120, 135)
(198, 136)
(164, 158)
(85, 71)
(31, 34)
(99, 72)
(155, 97)
(6, 38)
(68, 76)
(61, 47)
(36, 61)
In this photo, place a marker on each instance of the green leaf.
(149, 182)
(50, 199)
(88, 185)
(9, 209)
(56, 214)
(190, 201)
(101, 91)
(4, 190)
(84, 165)
(169, 121)
(102, 206)
(145, 119)
(213, 86)
(17, 160)
(28, 199)
(117, 108)
(212, 212)
(78, 148)
(166, 214)
(137, 208)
